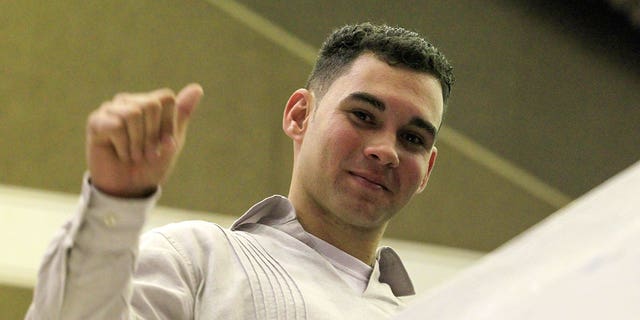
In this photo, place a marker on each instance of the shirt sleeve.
(165, 281)
(86, 271)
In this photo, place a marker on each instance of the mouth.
(370, 181)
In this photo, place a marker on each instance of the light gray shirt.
(266, 266)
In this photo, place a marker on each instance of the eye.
(363, 116)
(412, 139)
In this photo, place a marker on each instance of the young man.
(363, 133)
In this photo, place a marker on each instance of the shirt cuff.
(109, 223)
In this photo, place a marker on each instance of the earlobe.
(296, 113)
(432, 162)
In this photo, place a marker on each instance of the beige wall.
(63, 58)
(14, 302)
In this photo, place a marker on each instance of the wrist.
(141, 193)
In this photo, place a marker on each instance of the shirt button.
(110, 220)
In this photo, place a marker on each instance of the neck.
(359, 242)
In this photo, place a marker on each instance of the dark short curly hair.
(394, 45)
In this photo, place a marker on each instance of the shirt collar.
(393, 272)
(274, 210)
(277, 211)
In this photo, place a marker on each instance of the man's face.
(367, 147)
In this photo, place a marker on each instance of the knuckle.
(132, 112)
(96, 120)
(166, 91)
(155, 106)
(103, 125)
(125, 110)
(151, 107)
(115, 126)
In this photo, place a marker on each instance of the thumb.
(186, 103)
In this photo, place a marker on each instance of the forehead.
(401, 89)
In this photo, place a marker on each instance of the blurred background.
(546, 106)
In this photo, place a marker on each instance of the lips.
(373, 180)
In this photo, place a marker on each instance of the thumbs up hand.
(134, 140)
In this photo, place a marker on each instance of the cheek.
(413, 172)
(330, 148)
(342, 142)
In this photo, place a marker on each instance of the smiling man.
(363, 133)
(362, 150)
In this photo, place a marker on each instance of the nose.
(382, 149)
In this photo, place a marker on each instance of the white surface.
(29, 218)
(581, 263)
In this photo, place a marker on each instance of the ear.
(432, 162)
(297, 113)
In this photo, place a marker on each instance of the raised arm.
(132, 143)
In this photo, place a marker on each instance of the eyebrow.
(368, 98)
(379, 104)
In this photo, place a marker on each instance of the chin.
(366, 216)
